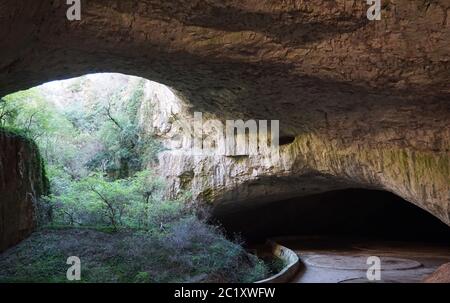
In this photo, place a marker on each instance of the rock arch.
(367, 102)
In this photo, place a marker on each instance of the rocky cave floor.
(340, 260)
(335, 232)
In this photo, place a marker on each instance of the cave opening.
(95, 144)
(88, 150)
(342, 214)
(347, 125)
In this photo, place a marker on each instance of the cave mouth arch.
(360, 212)
(347, 213)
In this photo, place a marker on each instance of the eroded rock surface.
(22, 182)
(441, 275)
(313, 163)
(367, 101)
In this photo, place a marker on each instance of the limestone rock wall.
(368, 101)
(315, 162)
(22, 182)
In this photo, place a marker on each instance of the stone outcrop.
(441, 275)
(312, 163)
(22, 182)
(366, 101)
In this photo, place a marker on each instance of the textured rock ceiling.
(370, 97)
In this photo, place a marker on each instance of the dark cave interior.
(350, 213)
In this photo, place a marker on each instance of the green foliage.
(126, 147)
(104, 206)
(90, 151)
(133, 202)
(154, 240)
(31, 113)
(102, 135)
(142, 277)
(189, 251)
(8, 113)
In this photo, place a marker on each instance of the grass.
(190, 251)
(275, 264)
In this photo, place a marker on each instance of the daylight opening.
(95, 143)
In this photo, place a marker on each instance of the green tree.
(8, 113)
(111, 197)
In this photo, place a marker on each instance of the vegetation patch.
(187, 251)
(105, 207)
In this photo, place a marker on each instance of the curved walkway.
(327, 260)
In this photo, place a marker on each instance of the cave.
(363, 107)
(341, 214)
(335, 232)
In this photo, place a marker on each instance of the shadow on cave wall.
(295, 26)
(371, 214)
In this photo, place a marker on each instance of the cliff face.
(22, 182)
(367, 101)
(313, 163)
